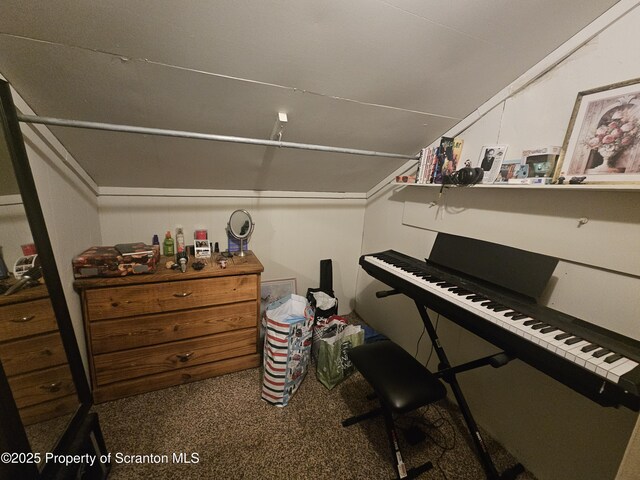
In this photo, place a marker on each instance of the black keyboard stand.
(448, 374)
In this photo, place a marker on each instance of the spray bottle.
(182, 256)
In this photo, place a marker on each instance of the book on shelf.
(457, 153)
(448, 163)
(422, 165)
(438, 160)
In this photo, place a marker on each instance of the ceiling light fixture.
(278, 127)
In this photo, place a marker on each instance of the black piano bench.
(401, 384)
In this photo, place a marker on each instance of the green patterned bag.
(333, 364)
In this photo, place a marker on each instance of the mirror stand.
(241, 252)
(240, 227)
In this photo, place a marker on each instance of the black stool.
(401, 384)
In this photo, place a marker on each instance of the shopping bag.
(325, 327)
(333, 364)
(287, 348)
(325, 305)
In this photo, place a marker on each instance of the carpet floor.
(236, 435)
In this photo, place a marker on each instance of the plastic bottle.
(179, 240)
(169, 250)
(155, 245)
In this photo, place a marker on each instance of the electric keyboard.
(601, 364)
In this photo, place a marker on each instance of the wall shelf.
(603, 187)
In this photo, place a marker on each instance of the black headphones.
(465, 176)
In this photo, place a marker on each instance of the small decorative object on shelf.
(576, 180)
(406, 179)
(201, 245)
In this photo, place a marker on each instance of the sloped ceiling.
(388, 76)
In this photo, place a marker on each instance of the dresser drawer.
(105, 303)
(42, 412)
(28, 318)
(127, 364)
(33, 353)
(174, 377)
(133, 332)
(41, 386)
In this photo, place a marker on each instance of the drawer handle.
(182, 295)
(183, 357)
(23, 319)
(53, 387)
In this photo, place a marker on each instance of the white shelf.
(592, 186)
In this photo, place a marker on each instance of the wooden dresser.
(33, 357)
(150, 331)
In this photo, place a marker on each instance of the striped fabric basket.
(287, 348)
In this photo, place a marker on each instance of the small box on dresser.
(156, 330)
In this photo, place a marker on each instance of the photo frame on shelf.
(508, 170)
(602, 142)
(272, 290)
(491, 157)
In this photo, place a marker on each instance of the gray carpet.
(236, 435)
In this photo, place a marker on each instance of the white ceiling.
(389, 76)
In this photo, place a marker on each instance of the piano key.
(531, 322)
(590, 347)
(558, 345)
(601, 353)
(478, 299)
(592, 363)
(583, 355)
(563, 336)
(573, 352)
(540, 326)
(519, 316)
(622, 369)
(460, 291)
(572, 340)
(549, 329)
(613, 358)
(500, 308)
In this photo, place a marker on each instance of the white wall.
(14, 229)
(292, 233)
(554, 431)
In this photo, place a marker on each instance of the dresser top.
(25, 295)
(235, 266)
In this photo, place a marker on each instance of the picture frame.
(508, 170)
(602, 142)
(491, 157)
(272, 290)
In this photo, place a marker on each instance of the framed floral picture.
(603, 139)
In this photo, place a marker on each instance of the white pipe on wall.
(204, 136)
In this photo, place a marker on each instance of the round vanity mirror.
(240, 227)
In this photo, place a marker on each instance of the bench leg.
(363, 416)
(401, 468)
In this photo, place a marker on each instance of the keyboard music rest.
(615, 383)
